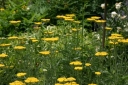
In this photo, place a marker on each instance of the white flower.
(103, 6)
(123, 17)
(113, 14)
(118, 5)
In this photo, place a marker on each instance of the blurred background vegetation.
(29, 11)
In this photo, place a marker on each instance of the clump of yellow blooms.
(77, 48)
(21, 74)
(2, 65)
(100, 21)
(31, 80)
(2, 9)
(92, 84)
(19, 47)
(75, 63)
(17, 83)
(45, 20)
(51, 39)
(45, 52)
(5, 45)
(101, 53)
(34, 40)
(98, 73)
(78, 68)
(13, 37)
(3, 55)
(115, 36)
(87, 64)
(14, 22)
(66, 81)
(37, 23)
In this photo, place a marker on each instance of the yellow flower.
(31, 80)
(19, 47)
(45, 52)
(58, 84)
(17, 83)
(125, 41)
(95, 17)
(15, 22)
(98, 73)
(45, 20)
(78, 68)
(3, 55)
(60, 16)
(90, 19)
(76, 63)
(108, 28)
(100, 21)
(34, 40)
(1, 9)
(13, 37)
(20, 74)
(87, 64)
(71, 79)
(2, 65)
(61, 79)
(38, 23)
(92, 84)
(101, 54)
(77, 48)
(50, 39)
(5, 45)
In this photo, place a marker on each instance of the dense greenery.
(60, 42)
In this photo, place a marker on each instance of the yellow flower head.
(15, 22)
(60, 16)
(20, 74)
(61, 79)
(98, 73)
(90, 19)
(76, 63)
(5, 45)
(50, 39)
(71, 79)
(95, 17)
(31, 80)
(13, 37)
(78, 68)
(77, 48)
(45, 52)
(87, 64)
(100, 21)
(3, 55)
(17, 83)
(101, 54)
(34, 40)
(92, 84)
(2, 65)
(19, 47)
(45, 20)
(58, 84)
(1, 9)
(38, 23)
